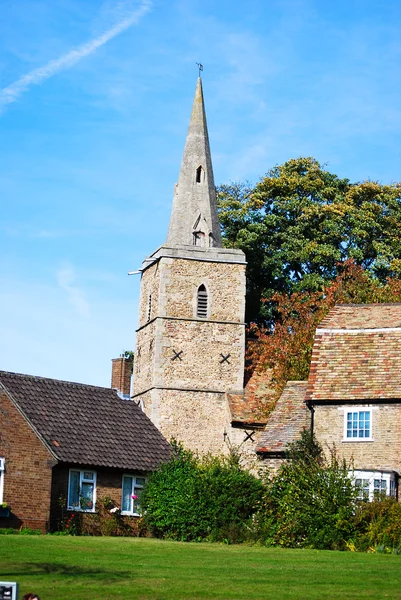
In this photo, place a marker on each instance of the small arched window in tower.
(201, 302)
(211, 240)
(149, 307)
(200, 174)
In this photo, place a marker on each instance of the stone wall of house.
(28, 470)
(383, 453)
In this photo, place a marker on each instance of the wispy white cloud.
(11, 93)
(66, 279)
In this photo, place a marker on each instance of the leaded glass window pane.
(363, 485)
(74, 488)
(127, 487)
(87, 496)
(358, 424)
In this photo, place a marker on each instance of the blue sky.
(95, 98)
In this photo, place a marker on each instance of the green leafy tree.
(301, 221)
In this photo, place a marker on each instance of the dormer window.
(201, 302)
(200, 174)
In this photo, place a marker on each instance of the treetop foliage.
(300, 222)
(286, 347)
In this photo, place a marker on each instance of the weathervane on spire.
(200, 67)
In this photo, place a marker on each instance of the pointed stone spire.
(194, 220)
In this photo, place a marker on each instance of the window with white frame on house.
(358, 424)
(132, 489)
(2, 467)
(372, 484)
(82, 490)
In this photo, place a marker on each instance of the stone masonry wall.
(28, 470)
(144, 363)
(383, 453)
(150, 284)
(224, 282)
(201, 364)
(202, 422)
(184, 395)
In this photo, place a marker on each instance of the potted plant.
(5, 509)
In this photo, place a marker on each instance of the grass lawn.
(61, 568)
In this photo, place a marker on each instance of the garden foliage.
(378, 524)
(310, 502)
(191, 498)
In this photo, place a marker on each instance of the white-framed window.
(358, 424)
(132, 489)
(82, 490)
(372, 484)
(2, 469)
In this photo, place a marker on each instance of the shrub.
(378, 524)
(310, 501)
(191, 498)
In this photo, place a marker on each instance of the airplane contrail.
(11, 93)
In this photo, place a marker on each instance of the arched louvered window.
(149, 307)
(201, 302)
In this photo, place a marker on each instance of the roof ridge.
(62, 381)
(367, 304)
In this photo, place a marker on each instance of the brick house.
(353, 395)
(74, 442)
(354, 391)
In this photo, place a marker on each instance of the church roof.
(194, 206)
(85, 424)
(286, 421)
(356, 354)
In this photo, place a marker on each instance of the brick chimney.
(121, 376)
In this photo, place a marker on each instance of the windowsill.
(358, 440)
(81, 510)
(125, 513)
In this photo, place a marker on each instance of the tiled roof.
(251, 406)
(356, 354)
(86, 424)
(287, 420)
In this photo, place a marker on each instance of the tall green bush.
(378, 523)
(310, 501)
(191, 498)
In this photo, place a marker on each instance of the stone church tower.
(191, 334)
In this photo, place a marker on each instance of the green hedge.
(191, 498)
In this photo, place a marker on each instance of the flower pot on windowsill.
(5, 512)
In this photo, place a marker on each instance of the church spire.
(194, 219)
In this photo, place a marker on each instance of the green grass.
(61, 568)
